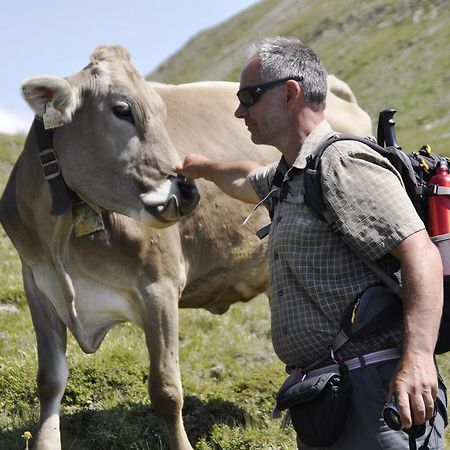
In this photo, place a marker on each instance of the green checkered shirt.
(314, 274)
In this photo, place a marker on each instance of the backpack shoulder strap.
(314, 197)
(313, 188)
(313, 184)
(345, 137)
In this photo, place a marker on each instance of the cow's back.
(203, 114)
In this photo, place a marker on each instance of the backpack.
(415, 170)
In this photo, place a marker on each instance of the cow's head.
(113, 148)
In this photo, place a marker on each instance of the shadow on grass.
(132, 426)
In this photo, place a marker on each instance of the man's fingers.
(430, 405)
(178, 168)
(404, 409)
(193, 166)
(416, 410)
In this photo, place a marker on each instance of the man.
(314, 273)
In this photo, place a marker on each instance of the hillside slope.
(393, 53)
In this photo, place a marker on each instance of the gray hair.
(283, 57)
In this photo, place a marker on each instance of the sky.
(57, 37)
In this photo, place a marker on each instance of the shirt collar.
(320, 133)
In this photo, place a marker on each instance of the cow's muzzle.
(175, 198)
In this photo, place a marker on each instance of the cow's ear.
(38, 91)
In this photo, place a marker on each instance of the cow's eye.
(123, 111)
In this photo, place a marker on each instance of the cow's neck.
(62, 195)
(63, 198)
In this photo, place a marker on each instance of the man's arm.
(415, 381)
(231, 178)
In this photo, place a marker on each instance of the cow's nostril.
(189, 196)
(188, 191)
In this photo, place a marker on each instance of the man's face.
(264, 119)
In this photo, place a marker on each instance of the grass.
(10, 272)
(230, 377)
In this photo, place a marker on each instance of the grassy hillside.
(392, 53)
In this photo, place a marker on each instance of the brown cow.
(105, 254)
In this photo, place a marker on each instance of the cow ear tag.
(52, 117)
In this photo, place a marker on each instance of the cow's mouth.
(177, 197)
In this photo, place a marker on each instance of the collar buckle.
(49, 164)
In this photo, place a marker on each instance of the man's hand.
(415, 383)
(415, 387)
(231, 178)
(194, 166)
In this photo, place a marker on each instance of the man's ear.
(294, 93)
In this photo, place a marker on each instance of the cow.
(107, 233)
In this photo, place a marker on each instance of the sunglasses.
(249, 95)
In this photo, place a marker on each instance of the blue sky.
(57, 37)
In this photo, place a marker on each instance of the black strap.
(344, 137)
(414, 183)
(425, 445)
(412, 442)
(62, 195)
(316, 202)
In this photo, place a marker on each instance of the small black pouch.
(376, 310)
(318, 405)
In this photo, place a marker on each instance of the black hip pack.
(317, 404)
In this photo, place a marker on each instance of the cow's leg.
(51, 336)
(161, 331)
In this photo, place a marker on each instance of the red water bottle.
(438, 204)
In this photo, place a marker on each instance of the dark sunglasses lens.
(245, 97)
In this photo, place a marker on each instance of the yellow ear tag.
(52, 117)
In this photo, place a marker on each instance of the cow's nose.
(173, 199)
(188, 195)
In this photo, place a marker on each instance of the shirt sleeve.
(261, 180)
(366, 199)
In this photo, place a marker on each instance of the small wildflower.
(27, 436)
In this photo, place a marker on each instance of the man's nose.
(241, 111)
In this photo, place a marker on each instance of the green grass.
(230, 377)
(10, 273)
